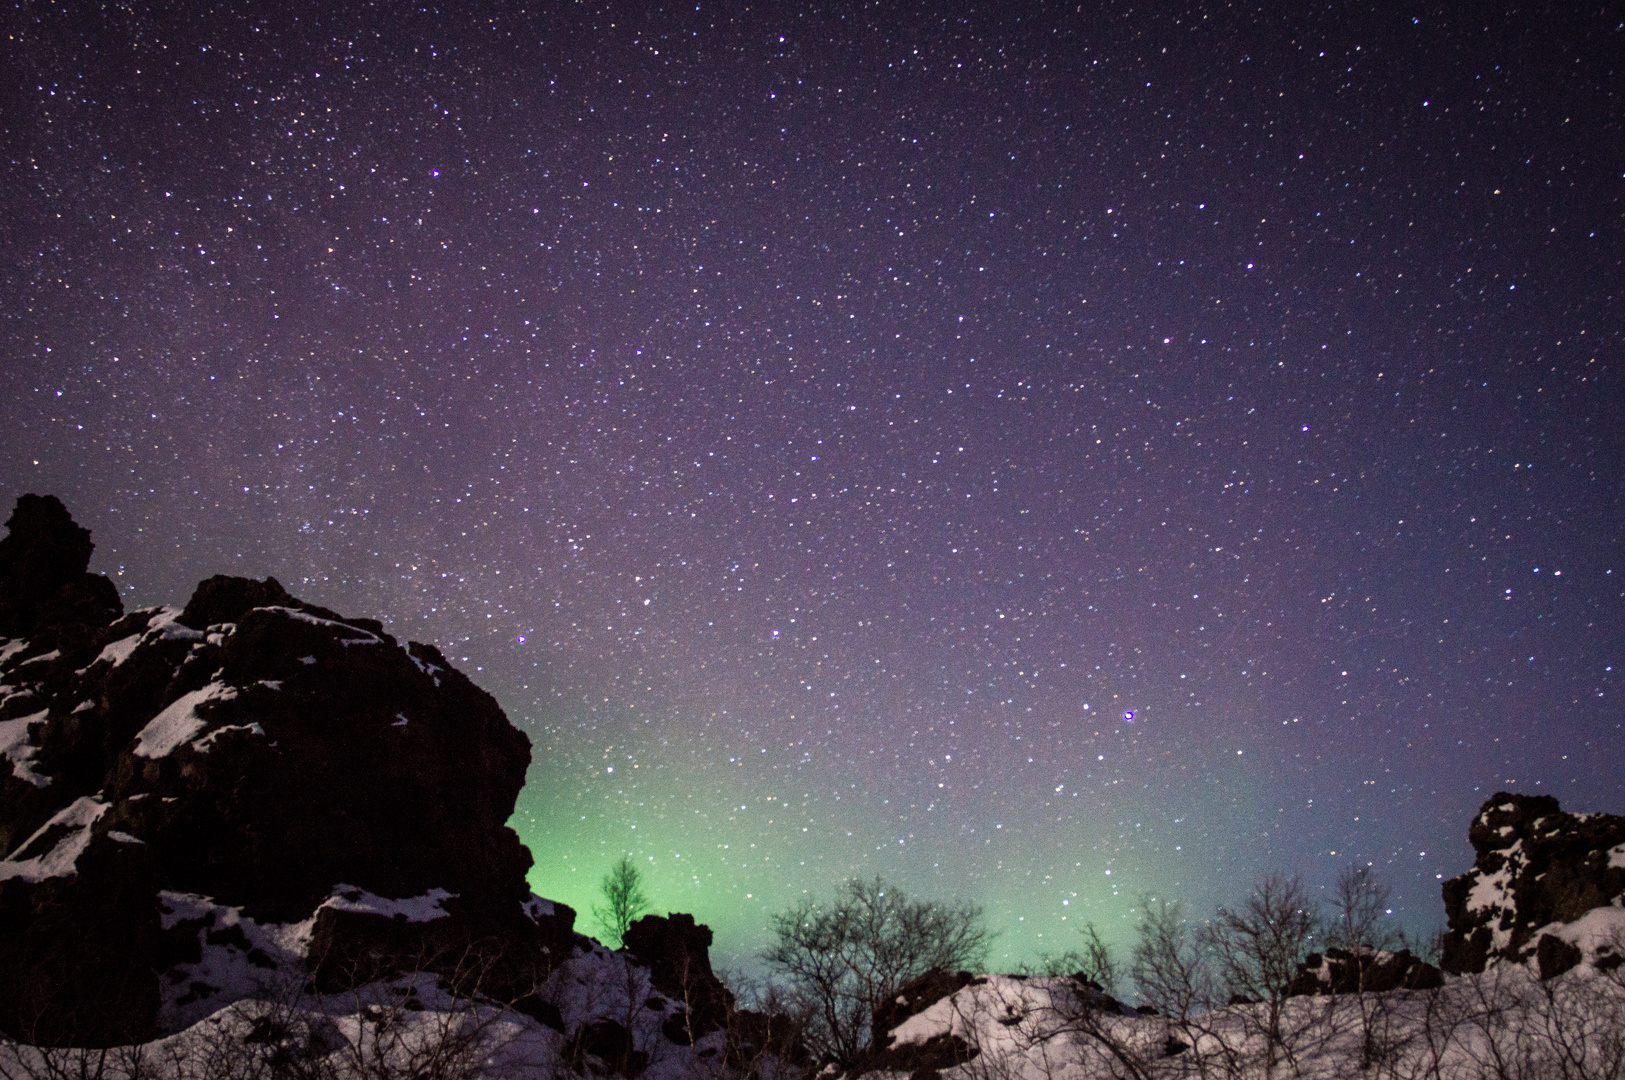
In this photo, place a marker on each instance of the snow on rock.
(1536, 866)
(1368, 970)
(179, 722)
(54, 849)
(344, 633)
(218, 804)
(1009, 1026)
(115, 653)
(164, 624)
(216, 761)
(414, 909)
(205, 744)
(1596, 938)
(16, 747)
(221, 955)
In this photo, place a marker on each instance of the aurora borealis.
(821, 430)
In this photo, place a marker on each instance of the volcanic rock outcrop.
(1372, 971)
(190, 795)
(1545, 884)
(676, 950)
(43, 580)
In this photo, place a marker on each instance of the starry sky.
(1042, 456)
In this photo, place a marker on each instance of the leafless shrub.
(1092, 961)
(432, 1023)
(1175, 978)
(1256, 949)
(761, 1037)
(1358, 924)
(1571, 1027)
(840, 961)
(19, 1061)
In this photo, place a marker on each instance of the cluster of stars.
(1042, 460)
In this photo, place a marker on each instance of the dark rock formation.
(254, 753)
(922, 1060)
(1340, 971)
(43, 581)
(1553, 955)
(1536, 865)
(675, 949)
(918, 996)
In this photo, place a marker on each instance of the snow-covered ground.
(1505, 1024)
(410, 1026)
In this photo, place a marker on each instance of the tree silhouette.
(846, 958)
(624, 899)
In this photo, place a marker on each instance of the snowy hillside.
(1505, 1022)
(597, 1014)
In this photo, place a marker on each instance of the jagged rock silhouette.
(171, 776)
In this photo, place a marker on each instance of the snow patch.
(178, 723)
(68, 833)
(163, 626)
(431, 670)
(116, 652)
(1488, 891)
(238, 957)
(205, 744)
(1599, 932)
(348, 635)
(425, 908)
(15, 747)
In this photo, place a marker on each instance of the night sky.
(1040, 456)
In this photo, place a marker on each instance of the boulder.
(675, 949)
(923, 1060)
(916, 997)
(1373, 971)
(1537, 869)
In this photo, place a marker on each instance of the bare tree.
(841, 961)
(1088, 1013)
(624, 899)
(760, 1037)
(1092, 960)
(1257, 948)
(1174, 976)
(1359, 925)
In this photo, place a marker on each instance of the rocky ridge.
(199, 802)
(1546, 885)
